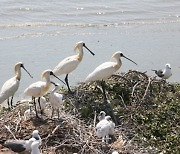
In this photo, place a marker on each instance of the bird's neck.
(18, 74)
(118, 63)
(80, 55)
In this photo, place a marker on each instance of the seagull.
(19, 146)
(165, 73)
(105, 70)
(55, 99)
(35, 147)
(11, 86)
(36, 135)
(40, 88)
(69, 64)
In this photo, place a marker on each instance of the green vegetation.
(146, 108)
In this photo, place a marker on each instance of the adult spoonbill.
(40, 88)
(20, 146)
(105, 70)
(164, 73)
(69, 64)
(11, 86)
(104, 128)
(55, 99)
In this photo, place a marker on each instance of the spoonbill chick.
(164, 73)
(105, 70)
(112, 125)
(29, 113)
(35, 134)
(101, 115)
(40, 88)
(102, 130)
(55, 99)
(11, 86)
(20, 146)
(69, 64)
(35, 147)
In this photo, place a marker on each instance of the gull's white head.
(168, 66)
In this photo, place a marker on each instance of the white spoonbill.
(35, 148)
(103, 129)
(11, 86)
(40, 88)
(165, 73)
(20, 146)
(55, 99)
(101, 115)
(29, 113)
(112, 125)
(69, 64)
(105, 70)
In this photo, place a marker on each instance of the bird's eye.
(83, 44)
(121, 54)
(21, 65)
(51, 73)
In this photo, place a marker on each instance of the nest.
(128, 94)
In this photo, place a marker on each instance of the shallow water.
(43, 32)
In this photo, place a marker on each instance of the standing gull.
(105, 70)
(165, 73)
(69, 64)
(11, 86)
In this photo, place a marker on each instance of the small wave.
(47, 24)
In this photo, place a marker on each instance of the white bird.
(105, 70)
(115, 152)
(19, 145)
(29, 113)
(40, 88)
(101, 115)
(165, 73)
(35, 134)
(55, 99)
(112, 125)
(35, 148)
(104, 128)
(69, 64)
(11, 86)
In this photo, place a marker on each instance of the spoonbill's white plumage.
(164, 73)
(105, 70)
(101, 115)
(102, 130)
(29, 113)
(112, 125)
(35, 134)
(35, 148)
(55, 99)
(69, 64)
(40, 88)
(20, 145)
(11, 86)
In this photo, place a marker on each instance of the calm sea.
(41, 33)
